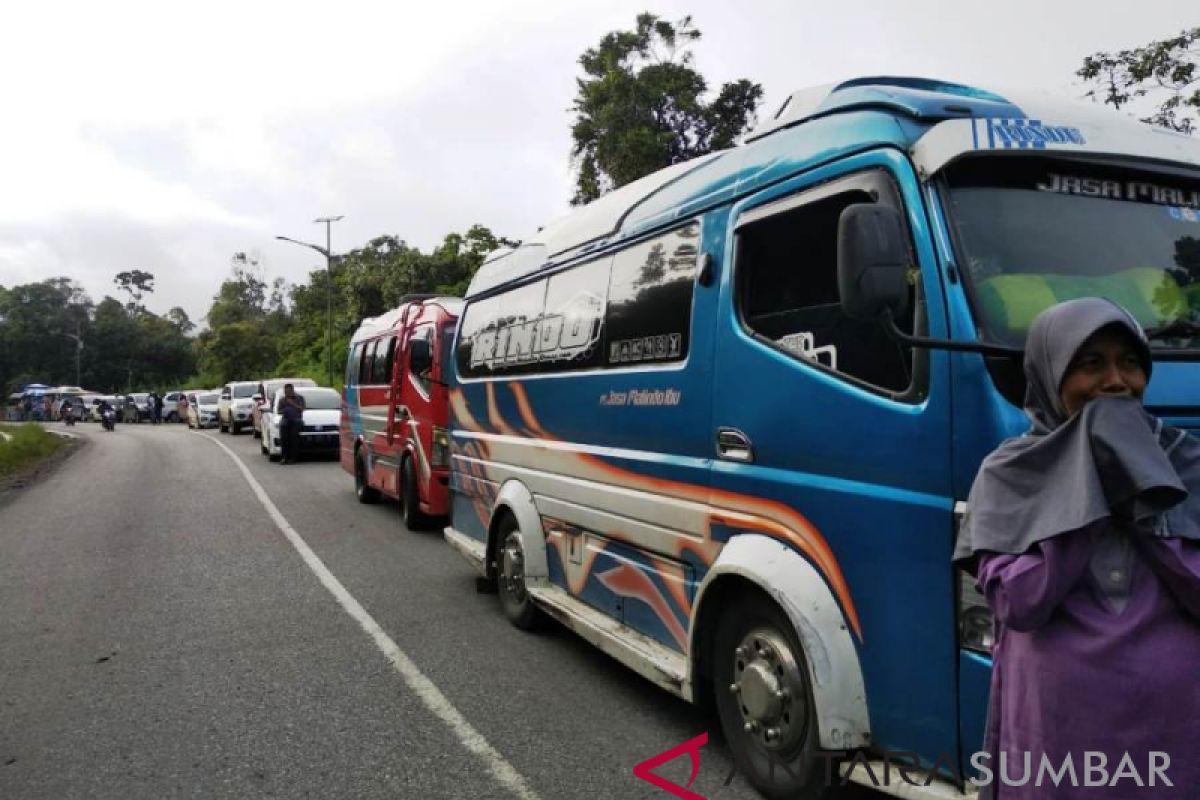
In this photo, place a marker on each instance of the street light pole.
(78, 351)
(326, 251)
(328, 293)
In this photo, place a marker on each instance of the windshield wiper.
(1179, 329)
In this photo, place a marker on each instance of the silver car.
(202, 409)
(235, 409)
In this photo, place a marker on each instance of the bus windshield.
(1031, 232)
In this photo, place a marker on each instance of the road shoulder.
(12, 485)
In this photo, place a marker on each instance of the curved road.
(161, 636)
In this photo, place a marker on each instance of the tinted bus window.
(574, 317)
(352, 363)
(422, 379)
(445, 344)
(366, 369)
(650, 299)
(385, 352)
(500, 334)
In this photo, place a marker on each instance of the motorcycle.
(108, 419)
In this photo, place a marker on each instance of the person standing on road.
(156, 407)
(181, 413)
(1084, 536)
(291, 412)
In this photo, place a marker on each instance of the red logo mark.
(692, 748)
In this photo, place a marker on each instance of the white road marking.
(421, 686)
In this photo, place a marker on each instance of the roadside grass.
(30, 443)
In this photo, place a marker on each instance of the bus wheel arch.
(755, 568)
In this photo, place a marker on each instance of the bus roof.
(374, 326)
(819, 125)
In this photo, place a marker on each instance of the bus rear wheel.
(414, 518)
(764, 700)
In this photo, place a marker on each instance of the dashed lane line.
(433, 699)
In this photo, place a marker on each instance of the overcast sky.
(138, 135)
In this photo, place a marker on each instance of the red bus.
(395, 408)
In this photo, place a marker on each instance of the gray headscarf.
(1110, 460)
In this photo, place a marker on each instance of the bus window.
(366, 369)
(424, 333)
(385, 351)
(352, 364)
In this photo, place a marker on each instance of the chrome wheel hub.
(770, 690)
(512, 567)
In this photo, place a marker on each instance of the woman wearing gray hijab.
(1084, 536)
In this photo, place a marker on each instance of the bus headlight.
(440, 457)
(976, 630)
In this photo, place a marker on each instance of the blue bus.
(723, 421)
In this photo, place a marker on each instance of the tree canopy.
(1162, 72)
(123, 346)
(260, 329)
(137, 284)
(641, 106)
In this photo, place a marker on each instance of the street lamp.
(326, 251)
(78, 351)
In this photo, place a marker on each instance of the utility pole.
(326, 251)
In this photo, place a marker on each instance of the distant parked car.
(170, 409)
(235, 409)
(267, 389)
(202, 409)
(136, 408)
(116, 401)
(322, 417)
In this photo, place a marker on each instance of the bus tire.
(515, 600)
(764, 701)
(414, 518)
(363, 490)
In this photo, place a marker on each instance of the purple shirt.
(1097, 649)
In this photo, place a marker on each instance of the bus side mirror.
(873, 262)
(420, 356)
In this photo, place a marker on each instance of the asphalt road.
(161, 636)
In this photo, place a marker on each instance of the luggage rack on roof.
(920, 98)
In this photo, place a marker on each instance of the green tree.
(34, 321)
(641, 107)
(112, 348)
(180, 319)
(136, 283)
(246, 322)
(236, 351)
(1162, 72)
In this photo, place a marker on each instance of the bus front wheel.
(510, 577)
(764, 700)
(363, 490)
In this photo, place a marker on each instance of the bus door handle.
(733, 445)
